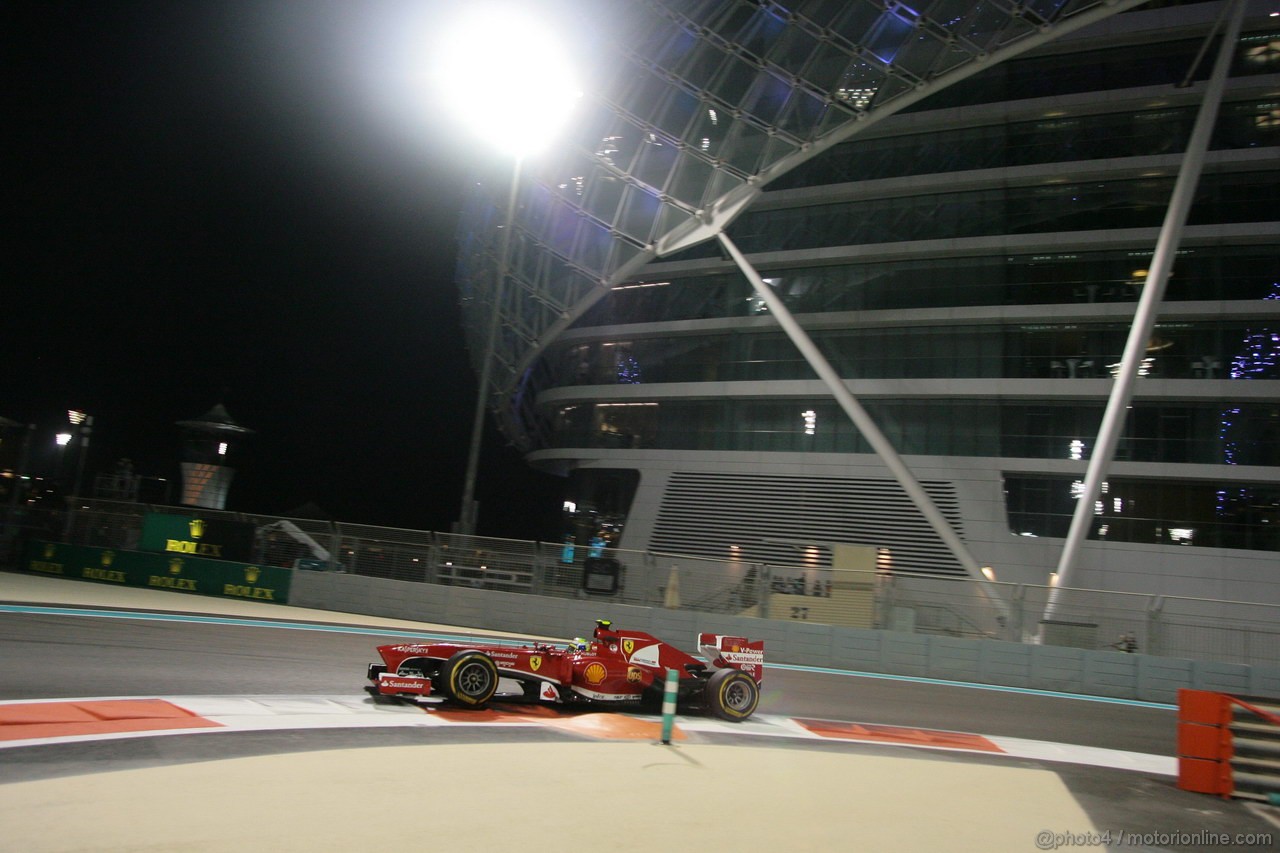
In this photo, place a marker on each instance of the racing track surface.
(50, 656)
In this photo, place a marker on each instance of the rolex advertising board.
(213, 538)
(173, 572)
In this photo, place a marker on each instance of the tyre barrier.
(1229, 745)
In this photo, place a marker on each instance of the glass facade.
(1144, 133)
(1056, 207)
(694, 108)
(1209, 515)
(1156, 432)
(1081, 350)
(1105, 69)
(972, 265)
(1214, 273)
(595, 510)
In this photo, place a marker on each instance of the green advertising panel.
(215, 538)
(159, 571)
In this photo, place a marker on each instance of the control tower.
(206, 449)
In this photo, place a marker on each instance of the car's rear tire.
(469, 678)
(732, 695)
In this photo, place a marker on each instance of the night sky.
(248, 203)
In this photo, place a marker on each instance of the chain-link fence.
(1192, 628)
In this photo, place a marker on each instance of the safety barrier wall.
(908, 604)
(1070, 670)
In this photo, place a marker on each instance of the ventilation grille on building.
(763, 518)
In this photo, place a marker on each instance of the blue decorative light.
(1257, 359)
(629, 371)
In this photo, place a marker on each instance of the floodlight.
(506, 76)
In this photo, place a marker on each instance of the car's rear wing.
(724, 652)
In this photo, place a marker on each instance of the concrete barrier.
(1069, 670)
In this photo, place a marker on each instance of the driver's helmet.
(578, 645)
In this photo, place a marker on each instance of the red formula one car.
(615, 668)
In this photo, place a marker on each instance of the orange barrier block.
(1204, 742)
(1204, 776)
(1197, 741)
(1204, 707)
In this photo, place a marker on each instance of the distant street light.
(504, 75)
(63, 439)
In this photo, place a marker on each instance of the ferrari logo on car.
(535, 662)
(628, 646)
(594, 673)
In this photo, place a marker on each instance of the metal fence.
(1170, 626)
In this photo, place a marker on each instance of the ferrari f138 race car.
(615, 668)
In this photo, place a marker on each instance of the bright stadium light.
(506, 76)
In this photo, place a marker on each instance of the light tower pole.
(491, 49)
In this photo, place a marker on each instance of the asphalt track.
(802, 793)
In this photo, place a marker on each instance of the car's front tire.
(469, 678)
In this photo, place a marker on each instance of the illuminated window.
(1266, 54)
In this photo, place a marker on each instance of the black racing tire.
(469, 678)
(732, 695)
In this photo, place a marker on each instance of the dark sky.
(247, 203)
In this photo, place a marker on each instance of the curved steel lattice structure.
(694, 107)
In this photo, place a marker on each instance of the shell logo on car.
(594, 673)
